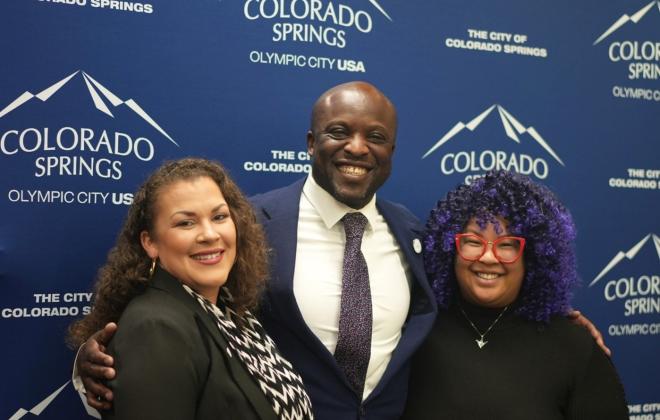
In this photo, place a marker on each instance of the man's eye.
(337, 134)
(377, 138)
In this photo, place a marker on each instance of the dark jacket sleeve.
(161, 369)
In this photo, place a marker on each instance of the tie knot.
(354, 224)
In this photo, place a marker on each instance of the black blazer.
(172, 363)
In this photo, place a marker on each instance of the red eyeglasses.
(506, 249)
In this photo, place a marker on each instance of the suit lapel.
(164, 281)
(422, 312)
(280, 220)
(406, 231)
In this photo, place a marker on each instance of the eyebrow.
(192, 213)
(478, 233)
(343, 122)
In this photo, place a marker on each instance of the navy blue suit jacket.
(331, 395)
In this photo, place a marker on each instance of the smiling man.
(352, 139)
(309, 309)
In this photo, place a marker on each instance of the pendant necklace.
(481, 342)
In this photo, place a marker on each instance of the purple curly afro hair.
(532, 212)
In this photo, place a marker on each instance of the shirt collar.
(331, 210)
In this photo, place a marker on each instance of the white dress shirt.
(317, 279)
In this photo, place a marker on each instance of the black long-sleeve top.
(525, 371)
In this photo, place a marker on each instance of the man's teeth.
(353, 170)
(207, 256)
(488, 276)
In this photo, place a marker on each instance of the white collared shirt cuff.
(75, 376)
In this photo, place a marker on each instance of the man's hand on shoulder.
(95, 367)
(577, 318)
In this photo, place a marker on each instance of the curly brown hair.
(126, 271)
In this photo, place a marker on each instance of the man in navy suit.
(351, 141)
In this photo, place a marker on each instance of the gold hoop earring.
(152, 268)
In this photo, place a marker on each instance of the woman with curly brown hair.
(187, 268)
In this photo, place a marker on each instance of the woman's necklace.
(480, 341)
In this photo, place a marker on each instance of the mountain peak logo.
(97, 91)
(624, 19)
(630, 254)
(42, 405)
(375, 4)
(512, 127)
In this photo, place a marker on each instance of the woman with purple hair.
(499, 254)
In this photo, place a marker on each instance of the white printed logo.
(509, 123)
(380, 9)
(635, 18)
(307, 22)
(42, 405)
(637, 294)
(486, 160)
(630, 254)
(311, 21)
(45, 94)
(78, 149)
(641, 59)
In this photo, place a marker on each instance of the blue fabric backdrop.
(94, 94)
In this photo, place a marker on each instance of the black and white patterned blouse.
(280, 383)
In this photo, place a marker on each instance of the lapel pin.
(417, 245)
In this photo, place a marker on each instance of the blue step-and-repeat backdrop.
(94, 94)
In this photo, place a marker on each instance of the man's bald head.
(351, 140)
(350, 88)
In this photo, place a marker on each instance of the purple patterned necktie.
(355, 319)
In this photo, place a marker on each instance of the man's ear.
(310, 143)
(148, 244)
